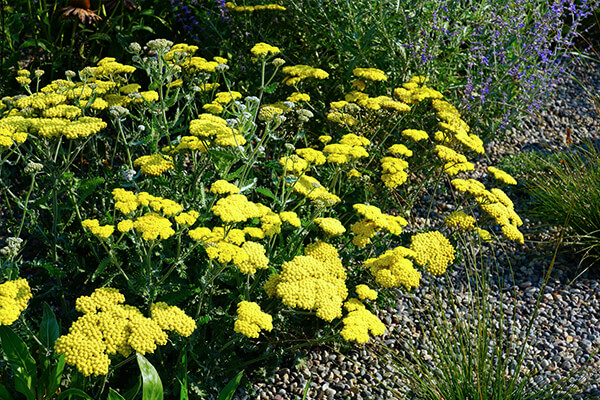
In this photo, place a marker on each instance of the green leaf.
(21, 362)
(235, 174)
(87, 187)
(34, 43)
(49, 330)
(114, 395)
(132, 393)
(4, 394)
(56, 375)
(266, 192)
(271, 88)
(23, 386)
(183, 391)
(100, 36)
(153, 389)
(73, 392)
(229, 390)
(101, 267)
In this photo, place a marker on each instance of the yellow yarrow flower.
(154, 164)
(331, 226)
(365, 292)
(264, 50)
(172, 318)
(14, 296)
(101, 231)
(432, 250)
(110, 327)
(393, 269)
(223, 187)
(460, 220)
(502, 176)
(291, 218)
(152, 225)
(251, 320)
(415, 134)
(372, 74)
(359, 323)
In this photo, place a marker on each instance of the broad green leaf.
(73, 392)
(132, 393)
(229, 390)
(183, 392)
(4, 394)
(49, 330)
(101, 267)
(100, 36)
(152, 385)
(266, 192)
(34, 43)
(24, 387)
(114, 395)
(56, 375)
(17, 354)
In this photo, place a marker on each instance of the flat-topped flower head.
(371, 74)
(264, 50)
(251, 320)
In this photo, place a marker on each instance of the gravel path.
(566, 332)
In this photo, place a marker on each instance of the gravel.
(565, 334)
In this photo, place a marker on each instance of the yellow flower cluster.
(152, 225)
(101, 231)
(342, 118)
(291, 218)
(358, 98)
(223, 187)
(394, 269)
(331, 226)
(14, 296)
(108, 67)
(455, 162)
(432, 250)
(55, 127)
(359, 322)
(415, 91)
(393, 171)
(350, 147)
(215, 131)
(293, 165)
(251, 320)
(237, 208)
(13, 130)
(110, 327)
(365, 292)
(415, 134)
(256, 258)
(371, 74)
(400, 150)
(460, 220)
(154, 164)
(454, 129)
(172, 318)
(496, 204)
(312, 156)
(374, 221)
(502, 176)
(312, 189)
(300, 72)
(314, 281)
(298, 97)
(187, 143)
(264, 49)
